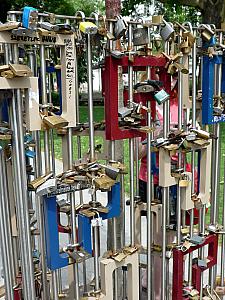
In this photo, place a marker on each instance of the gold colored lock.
(54, 121)
(104, 182)
(20, 70)
(34, 184)
(191, 38)
(9, 26)
(7, 74)
(181, 67)
(157, 19)
(184, 183)
(184, 47)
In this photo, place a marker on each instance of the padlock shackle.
(95, 16)
(80, 14)
(189, 25)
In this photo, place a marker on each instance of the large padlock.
(30, 18)
(96, 38)
(9, 26)
(20, 70)
(54, 121)
(120, 28)
(206, 32)
(166, 31)
(80, 16)
(140, 36)
(157, 19)
(88, 28)
(161, 96)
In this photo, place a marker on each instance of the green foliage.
(171, 10)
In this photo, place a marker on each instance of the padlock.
(47, 187)
(157, 19)
(34, 184)
(7, 74)
(102, 29)
(161, 96)
(111, 171)
(140, 36)
(202, 263)
(117, 54)
(103, 182)
(48, 26)
(81, 16)
(30, 153)
(157, 40)
(184, 47)
(206, 32)
(20, 70)
(187, 34)
(166, 31)
(120, 28)
(124, 111)
(30, 18)
(9, 26)
(25, 32)
(54, 121)
(196, 239)
(64, 28)
(181, 67)
(88, 28)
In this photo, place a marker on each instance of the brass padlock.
(140, 36)
(206, 32)
(20, 70)
(7, 74)
(184, 46)
(181, 67)
(9, 26)
(157, 19)
(54, 121)
(104, 182)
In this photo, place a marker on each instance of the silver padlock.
(166, 31)
(120, 28)
(140, 36)
(47, 187)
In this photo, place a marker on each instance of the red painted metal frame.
(178, 265)
(110, 87)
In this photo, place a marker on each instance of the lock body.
(30, 18)
(161, 96)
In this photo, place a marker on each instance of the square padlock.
(161, 96)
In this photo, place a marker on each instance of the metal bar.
(6, 246)
(194, 86)
(92, 156)
(73, 214)
(131, 145)
(149, 200)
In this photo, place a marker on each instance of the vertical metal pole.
(18, 158)
(223, 237)
(131, 145)
(194, 84)
(165, 199)
(39, 200)
(216, 165)
(6, 242)
(46, 144)
(149, 200)
(73, 213)
(92, 156)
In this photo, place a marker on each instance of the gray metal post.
(92, 156)
(6, 242)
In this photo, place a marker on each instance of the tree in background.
(64, 7)
(212, 11)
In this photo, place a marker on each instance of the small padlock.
(140, 36)
(30, 18)
(48, 26)
(161, 96)
(104, 182)
(184, 47)
(181, 67)
(166, 31)
(120, 28)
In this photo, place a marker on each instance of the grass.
(98, 116)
